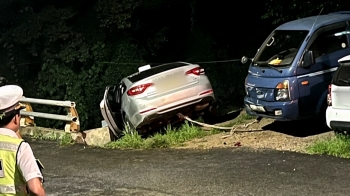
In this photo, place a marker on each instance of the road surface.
(239, 171)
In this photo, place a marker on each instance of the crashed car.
(154, 96)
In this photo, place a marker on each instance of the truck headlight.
(282, 91)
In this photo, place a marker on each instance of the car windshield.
(280, 49)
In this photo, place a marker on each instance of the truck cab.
(288, 77)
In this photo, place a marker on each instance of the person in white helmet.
(19, 171)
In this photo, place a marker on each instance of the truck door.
(328, 45)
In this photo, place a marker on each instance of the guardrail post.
(73, 125)
(27, 120)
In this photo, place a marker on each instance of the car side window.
(122, 89)
(342, 76)
(330, 41)
(120, 92)
(111, 95)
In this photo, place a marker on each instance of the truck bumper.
(282, 111)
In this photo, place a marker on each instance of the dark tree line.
(70, 50)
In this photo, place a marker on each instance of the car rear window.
(342, 75)
(155, 70)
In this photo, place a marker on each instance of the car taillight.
(138, 89)
(329, 95)
(196, 71)
(206, 92)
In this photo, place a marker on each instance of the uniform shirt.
(25, 158)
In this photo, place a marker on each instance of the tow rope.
(232, 129)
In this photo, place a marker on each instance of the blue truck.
(289, 75)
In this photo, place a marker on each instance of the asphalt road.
(240, 171)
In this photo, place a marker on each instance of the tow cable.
(232, 129)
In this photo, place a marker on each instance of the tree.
(280, 11)
(68, 57)
(71, 50)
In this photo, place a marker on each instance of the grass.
(338, 146)
(64, 139)
(38, 134)
(172, 137)
(241, 119)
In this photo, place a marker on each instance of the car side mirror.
(308, 59)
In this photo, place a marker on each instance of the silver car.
(154, 96)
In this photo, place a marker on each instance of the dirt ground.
(267, 134)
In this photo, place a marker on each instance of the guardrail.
(71, 119)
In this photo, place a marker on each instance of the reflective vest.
(12, 181)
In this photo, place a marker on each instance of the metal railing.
(71, 119)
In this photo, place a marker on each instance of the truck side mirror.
(308, 59)
(245, 59)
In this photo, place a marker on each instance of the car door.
(328, 44)
(110, 109)
(120, 94)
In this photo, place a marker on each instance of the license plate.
(258, 108)
(171, 82)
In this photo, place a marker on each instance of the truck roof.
(322, 20)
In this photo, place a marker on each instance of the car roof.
(155, 70)
(310, 23)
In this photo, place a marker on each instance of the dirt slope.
(285, 136)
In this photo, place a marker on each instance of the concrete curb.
(94, 137)
(32, 131)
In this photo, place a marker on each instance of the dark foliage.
(70, 50)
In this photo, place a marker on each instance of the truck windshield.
(280, 49)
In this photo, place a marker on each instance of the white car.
(338, 99)
(154, 96)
